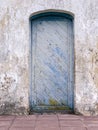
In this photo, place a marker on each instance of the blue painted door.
(52, 63)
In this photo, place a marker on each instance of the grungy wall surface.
(15, 52)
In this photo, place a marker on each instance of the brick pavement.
(48, 122)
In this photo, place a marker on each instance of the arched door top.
(52, 13)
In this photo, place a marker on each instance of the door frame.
(38, 15)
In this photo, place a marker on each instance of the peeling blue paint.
(59, 52)
(53, 68)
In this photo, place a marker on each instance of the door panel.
(52, 62)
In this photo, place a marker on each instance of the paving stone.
(47, 123)
(73, 128)
(63, 117)
(92, 128)
(4, 118)
(30, 117)
(47, 117)
(91, 123)
(94, 118)
(22, 123)
(5, 123)
(71, 123)
(21, 128)
(4, 127)
(47, 128)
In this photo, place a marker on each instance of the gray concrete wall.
(15, 50)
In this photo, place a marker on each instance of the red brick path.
(48, 122)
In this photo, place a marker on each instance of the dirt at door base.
(51, 109)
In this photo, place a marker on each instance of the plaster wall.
(15, 52)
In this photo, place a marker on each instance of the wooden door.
(52, 63)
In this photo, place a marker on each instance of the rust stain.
(5, 20)
(95, 63)
(97, 45)
(81, 62)
(96, 106)
(96, 76)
